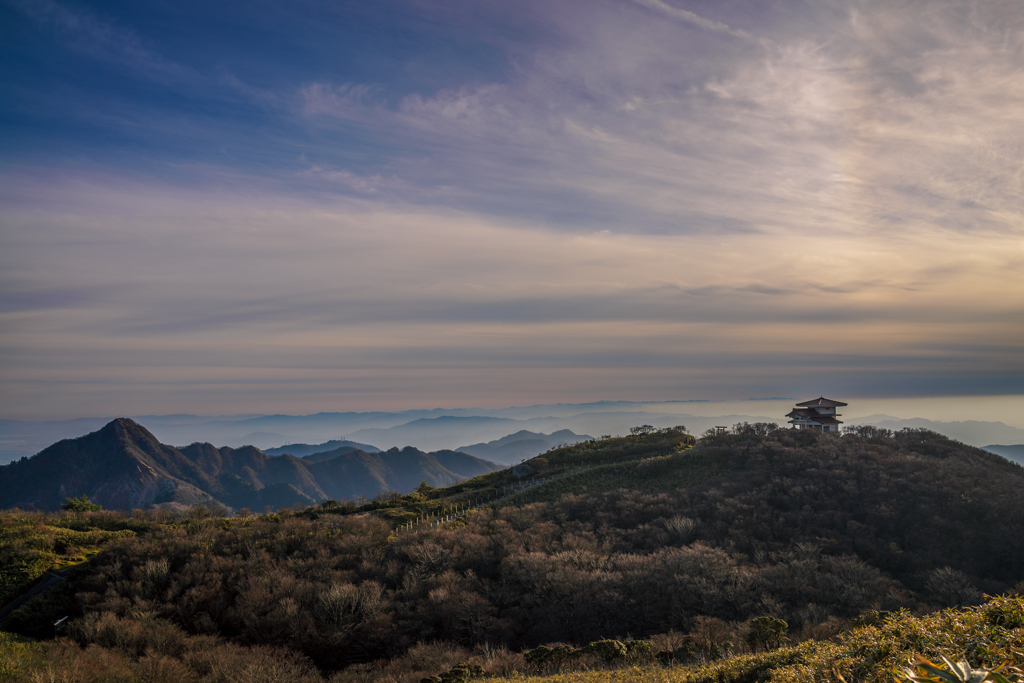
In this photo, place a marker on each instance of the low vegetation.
(584, 466)
(749, 557)
(988, 638)
(985, 639)
(32, 545)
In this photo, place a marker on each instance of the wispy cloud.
(345, 101)
(100, 39)
(632, 205)
(365, 184)
(693, 18)
(793, 135)
(263, 285)
(118, 45)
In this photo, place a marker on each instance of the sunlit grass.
(986, 636)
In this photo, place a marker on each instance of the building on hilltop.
(818, 415)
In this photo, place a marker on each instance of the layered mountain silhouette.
(124, 466)
(523, 445)
(303, 450)
(438, 428)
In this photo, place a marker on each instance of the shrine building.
(819, 415)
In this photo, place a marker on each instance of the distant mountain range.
(441, 429)
(522, 445)
(301, 450)
(437, 432)
(124, 466)
(508, 450)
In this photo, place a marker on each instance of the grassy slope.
(592, 466)
(654, 475)
(31, 546)
(986, 636)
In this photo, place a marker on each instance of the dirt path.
(51, 580)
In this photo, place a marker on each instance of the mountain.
(354, 473)
(436, 432)
(331, 455)
(247, 477)
(1014, 453)
(20, 439)
(522, 445)
(123, 466)
(303, 450)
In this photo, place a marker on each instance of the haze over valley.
(978, 421)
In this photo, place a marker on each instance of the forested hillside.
(644, 539)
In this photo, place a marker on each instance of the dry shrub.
(498, 660)
(227, 663)
(824, 630)
(682, 528)
(431, 659)
(655, 467)
(67, 663)
(952, 588)
(274, 665)
(713, 638)
(588, 662)
(133, 637)
(434, 657)
(422, 659)
(149, 649)
(157, 668)
(673, 640)
(359, 673)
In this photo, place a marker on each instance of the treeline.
(809, 529)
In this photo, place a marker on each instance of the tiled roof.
(820, 402)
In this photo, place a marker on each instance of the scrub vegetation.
(752, 556)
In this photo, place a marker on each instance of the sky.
(260, 207)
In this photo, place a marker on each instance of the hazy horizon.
(1008, 409)
(229, 208)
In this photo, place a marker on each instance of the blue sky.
(291, 207)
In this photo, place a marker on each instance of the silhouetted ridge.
(522, 445)
(123, 465)
(330, 455)
(303, 450)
